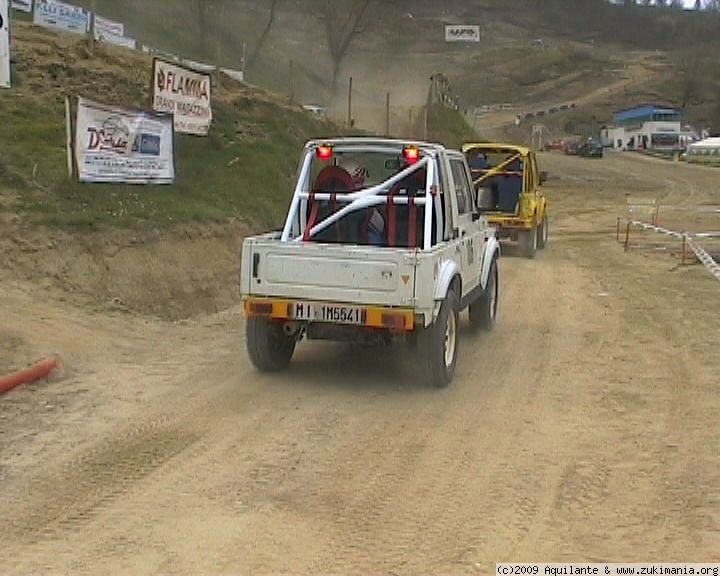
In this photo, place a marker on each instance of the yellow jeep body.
(506, 176)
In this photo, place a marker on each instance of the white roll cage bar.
(365, 198)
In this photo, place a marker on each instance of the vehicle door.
(470, 236)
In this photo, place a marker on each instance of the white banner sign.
(22, 5)
(184, 93)
(462, 33)
(117, 145)
(116, 40)
(237, 75)
(4, 45)
(107, 26)
(54, 14)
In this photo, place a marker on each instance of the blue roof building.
(647, 113)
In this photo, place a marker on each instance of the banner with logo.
(54, 14)
(185, 94)
(462, 33)
(117, 145)
(22, 5)
(4, 45)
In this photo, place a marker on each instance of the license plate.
(334, 313)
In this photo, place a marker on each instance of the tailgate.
(339, 273)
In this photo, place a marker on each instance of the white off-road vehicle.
(383, 243)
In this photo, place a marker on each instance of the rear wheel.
(483, 311)
(528, 240)
(441, 343)
(269, 348)
(543, 233)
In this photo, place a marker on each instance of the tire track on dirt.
(66, 499)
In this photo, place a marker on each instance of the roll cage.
(315, 210)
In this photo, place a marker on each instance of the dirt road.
(584, 428)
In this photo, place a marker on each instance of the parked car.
(591, 149)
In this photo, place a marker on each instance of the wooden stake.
(68, 142)
(627, 237)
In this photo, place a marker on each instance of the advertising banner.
(108, 26)
(109, 38)
(117, 145)
(22, 5)
(462, 33)
(185, 94)
(4, 45)
(54, 14)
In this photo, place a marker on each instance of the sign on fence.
(117, 145)
(4, 45)
(107, 26)
(54, 14)
(22, 5)
(184, 93)
(462, 33)
(123, 41)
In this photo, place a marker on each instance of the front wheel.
(269, 348)
(483, 312)
(543, 233)
(441, 343)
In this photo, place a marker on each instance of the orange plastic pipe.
(36, 372)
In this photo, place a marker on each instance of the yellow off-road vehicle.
(509, 192)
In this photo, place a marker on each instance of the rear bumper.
(353, 316)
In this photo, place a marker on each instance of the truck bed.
(328, 272)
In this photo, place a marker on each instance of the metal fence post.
(627, 237)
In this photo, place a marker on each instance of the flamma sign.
(4, 45)
(184, 93)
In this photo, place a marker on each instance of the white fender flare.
(448, 271)
(492, 251)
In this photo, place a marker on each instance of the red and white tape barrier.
(707, 260)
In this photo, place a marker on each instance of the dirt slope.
(584, 428)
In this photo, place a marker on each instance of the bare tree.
(265, 32)
(690, 66)
(341, 30)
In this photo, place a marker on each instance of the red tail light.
(411, 154)
(324, 153)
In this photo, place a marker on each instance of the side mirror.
(483, 199)
(543, 177)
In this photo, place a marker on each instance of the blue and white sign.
(54, 14)
(4, 45)
(113, 144)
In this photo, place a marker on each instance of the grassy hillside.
(587, 45)
(244, 168)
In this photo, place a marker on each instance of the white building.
(645, 127)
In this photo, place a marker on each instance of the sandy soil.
(583, 428)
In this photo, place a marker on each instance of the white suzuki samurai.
(383, 243)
